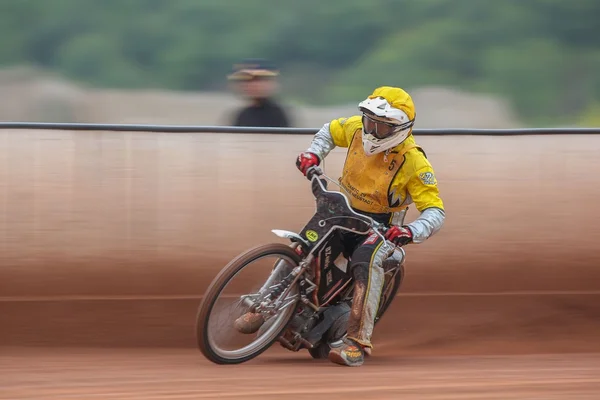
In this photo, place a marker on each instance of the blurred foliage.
(542, 55)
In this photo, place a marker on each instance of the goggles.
(380, 129)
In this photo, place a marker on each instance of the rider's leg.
(366, 265)
(251, 322)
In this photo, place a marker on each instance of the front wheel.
(216, 336)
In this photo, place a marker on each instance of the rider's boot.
(347, 352)
(249, 323)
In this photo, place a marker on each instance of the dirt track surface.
(510, 346)
(181, 374)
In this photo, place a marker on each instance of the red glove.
(399, 235)
(306, 160)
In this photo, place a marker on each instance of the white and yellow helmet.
(388, 119)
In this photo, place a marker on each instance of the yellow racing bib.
(368, 180)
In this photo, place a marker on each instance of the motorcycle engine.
(304, 319)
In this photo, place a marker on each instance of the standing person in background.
(256, 80)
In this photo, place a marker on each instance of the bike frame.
(298, 272)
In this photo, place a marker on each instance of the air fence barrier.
(76, 200)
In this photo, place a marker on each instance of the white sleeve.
(427, 224)
(322, 143)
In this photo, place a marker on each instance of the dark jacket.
(266, 113)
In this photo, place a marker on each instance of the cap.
(252, 68)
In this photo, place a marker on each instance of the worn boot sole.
(341, 359)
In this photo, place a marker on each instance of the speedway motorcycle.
(306, 294)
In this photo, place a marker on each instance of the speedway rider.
(384, 172)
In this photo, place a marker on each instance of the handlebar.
(312, 171)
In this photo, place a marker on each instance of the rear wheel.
(390, 294)
(217, 338)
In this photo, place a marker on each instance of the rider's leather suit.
(380, 185)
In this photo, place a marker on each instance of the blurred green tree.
(543, 55)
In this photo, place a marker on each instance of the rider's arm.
(338, 132)
(429, 222)
(424, 191)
